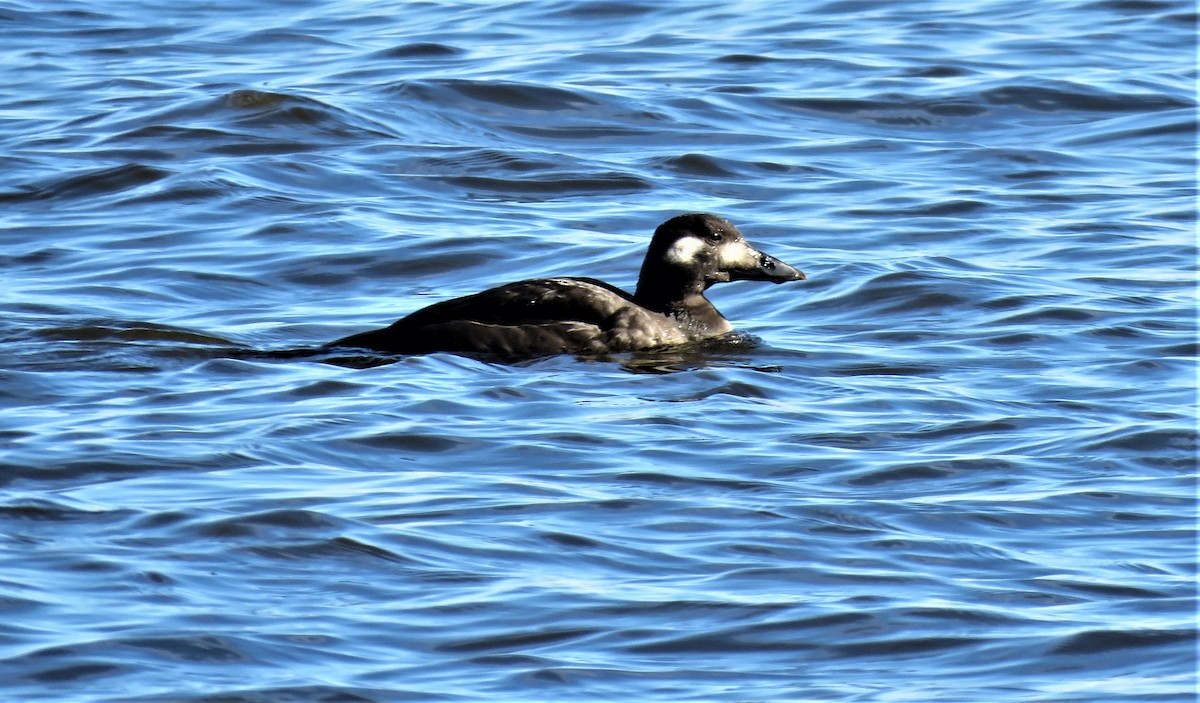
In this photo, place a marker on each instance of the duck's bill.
(746, 263)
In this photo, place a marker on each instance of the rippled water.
(958, 464)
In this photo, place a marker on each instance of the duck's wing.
(527, 318)
(585, 300)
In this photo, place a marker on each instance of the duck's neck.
(695, 314)
(666, 291)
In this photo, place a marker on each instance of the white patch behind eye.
(685, 250)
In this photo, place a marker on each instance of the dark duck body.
(585, 316)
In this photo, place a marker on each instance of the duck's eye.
(714, 237)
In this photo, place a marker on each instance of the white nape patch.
(684, 250)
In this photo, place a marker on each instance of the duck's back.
(526, 318)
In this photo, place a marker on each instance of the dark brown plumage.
(539, 317)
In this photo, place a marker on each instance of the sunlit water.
(956, 464)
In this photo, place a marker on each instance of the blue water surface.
(956, 464)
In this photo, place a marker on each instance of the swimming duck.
(585, 316)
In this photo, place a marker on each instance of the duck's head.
(689, 253)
